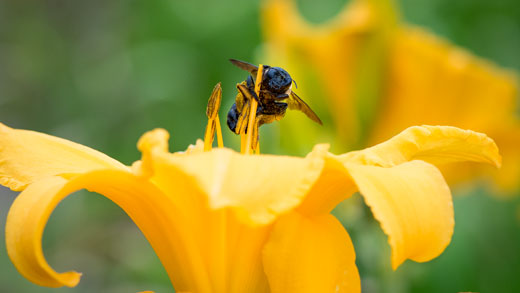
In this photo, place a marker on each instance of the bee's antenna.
(294, 81)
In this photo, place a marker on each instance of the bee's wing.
(253, 69)
(296, 103)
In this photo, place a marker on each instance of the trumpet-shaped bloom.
(378, 76)
(222, 221)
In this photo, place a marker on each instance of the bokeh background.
(103, 72)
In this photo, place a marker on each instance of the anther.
(213, 119)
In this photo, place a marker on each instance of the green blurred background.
(103, 72)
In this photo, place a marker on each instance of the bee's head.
(277, 80)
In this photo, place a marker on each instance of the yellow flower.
(222, 221)
(379, 76)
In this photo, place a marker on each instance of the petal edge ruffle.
(434, 144)
(257, 187)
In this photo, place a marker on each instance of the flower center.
(249, 141)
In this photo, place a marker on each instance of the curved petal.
(433, 144)
(23, 236)
(409, 198)
(154, 213)
(29, 156)
(258, 187)
(310, 255)
(413, 204)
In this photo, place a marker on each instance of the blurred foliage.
(102, 72)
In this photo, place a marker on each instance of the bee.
(276, 95)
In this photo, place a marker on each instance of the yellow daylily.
(379, 76)
(222, 221)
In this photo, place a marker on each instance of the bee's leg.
(281, 107)
(279, 111)
(250, 83)
(281, 96)
(248, 94)
(243, 118)
(259, 110)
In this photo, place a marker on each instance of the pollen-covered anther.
(213, 120)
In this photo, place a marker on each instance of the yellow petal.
(434, 82)
(431, 81)
(409, 197)
(332, 187)
(29, 156)
(244, 251)
(258, 187)
(509, 140)
(310, 255)
(434, 144)
(24, 231)
(154, 213)
(506, 178)
(413, 204)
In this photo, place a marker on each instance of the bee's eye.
(277, 80)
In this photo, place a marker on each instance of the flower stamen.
(257, 150)
(243, 139)
(220, 141)
(252, 126)
(213, 119)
